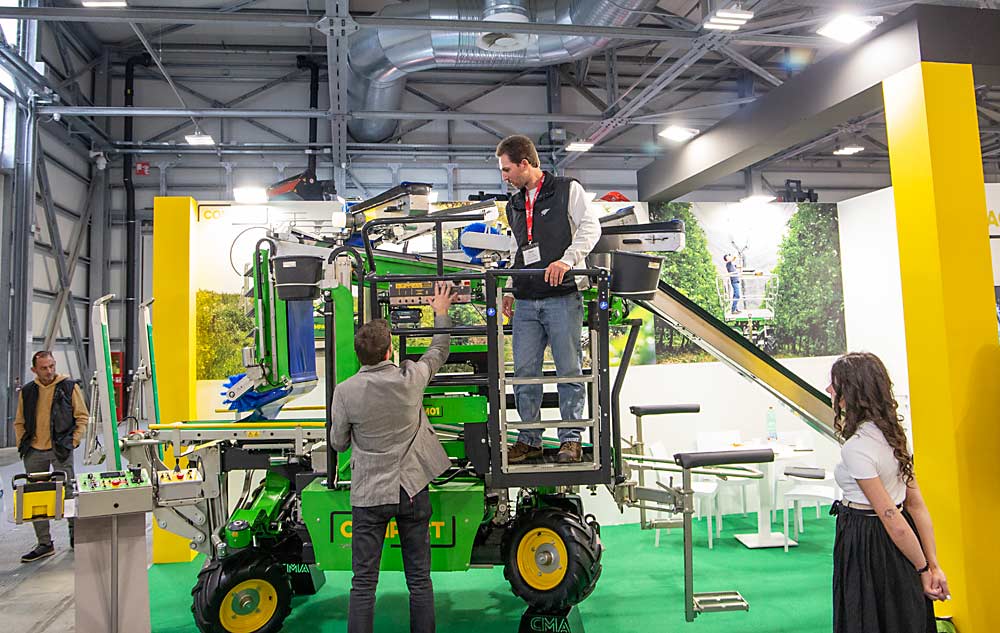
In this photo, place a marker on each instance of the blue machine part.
(476, 227)
(301, 341)
(252, 400)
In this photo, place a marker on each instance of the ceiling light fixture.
(849, 28)
(735, 14)
(715, 26)
(199, 139)
(760, 198)
(250, 195)
(579, 146)
(848, 150)
(728, 19)
(678, 134)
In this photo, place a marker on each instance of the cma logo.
(545, 624)
(211, 213)
(992, 215)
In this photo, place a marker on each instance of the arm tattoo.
(889, 514)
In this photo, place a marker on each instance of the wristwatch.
(925, 568)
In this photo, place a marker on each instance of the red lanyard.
(529, 206)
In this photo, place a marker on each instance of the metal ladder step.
(719, 601)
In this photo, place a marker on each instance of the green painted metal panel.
(343, 306)
(457, 514)
(262, 511)
(455, 409)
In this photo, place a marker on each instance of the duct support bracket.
(338, 26)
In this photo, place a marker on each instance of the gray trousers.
(36, 461)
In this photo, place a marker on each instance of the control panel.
(113, 492)
(184, 483)
(408, 293)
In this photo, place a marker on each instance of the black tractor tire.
(580, 570)
(217, 578)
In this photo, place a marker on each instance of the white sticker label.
(532, 255)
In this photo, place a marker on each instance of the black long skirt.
(875, 588)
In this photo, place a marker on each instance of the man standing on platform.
(554, 230)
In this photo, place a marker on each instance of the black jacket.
(551, 230)
(63, 424)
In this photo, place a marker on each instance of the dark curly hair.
(863, 393)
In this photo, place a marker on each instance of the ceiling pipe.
(131, 228)
(382, 58)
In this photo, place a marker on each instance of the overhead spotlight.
(104, 4)
(848, 28)
(579, 146)
(760, 198)
(678, 134)
(199, 139)
(250, 195)
(728, 19)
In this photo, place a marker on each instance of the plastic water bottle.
(772, 424)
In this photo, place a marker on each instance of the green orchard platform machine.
(275, 536)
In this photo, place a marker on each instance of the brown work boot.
(521, 451)
(570, 453)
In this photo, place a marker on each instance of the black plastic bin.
(297, 277)
(635, 275)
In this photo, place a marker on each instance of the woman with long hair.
(885, 567)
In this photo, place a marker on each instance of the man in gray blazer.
(395, 454)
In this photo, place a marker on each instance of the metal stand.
(112, 587)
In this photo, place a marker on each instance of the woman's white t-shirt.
(866, 455)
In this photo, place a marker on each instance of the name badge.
(532, 254)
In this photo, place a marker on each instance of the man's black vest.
(63, 424)
(551, 230)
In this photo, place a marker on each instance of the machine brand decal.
(442, 531)
(433, 412)
(210, 213)
(252, 434)
(549, 624)
(296, 568)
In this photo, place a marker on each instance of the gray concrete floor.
(34, 597)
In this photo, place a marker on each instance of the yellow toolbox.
(39, 496)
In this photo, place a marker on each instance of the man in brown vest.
(51, 419)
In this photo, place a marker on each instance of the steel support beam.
(444, 107)
(229, 104)
(299, 20)
(64, 270)
(339, 25)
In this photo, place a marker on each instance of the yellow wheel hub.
(248, 606)
(542, 559)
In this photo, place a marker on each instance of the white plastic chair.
(725, 441)
(705, 492)
(805, 493)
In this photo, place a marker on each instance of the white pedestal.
(758, 541)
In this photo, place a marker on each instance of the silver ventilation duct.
(381, 59)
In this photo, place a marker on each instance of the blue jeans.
(555, 321)
(736, 292)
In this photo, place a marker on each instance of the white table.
(764, 537)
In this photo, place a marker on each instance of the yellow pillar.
(174, 220)
(951, 325)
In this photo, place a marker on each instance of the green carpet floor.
(641, 589)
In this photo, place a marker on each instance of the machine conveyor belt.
(730, 347)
